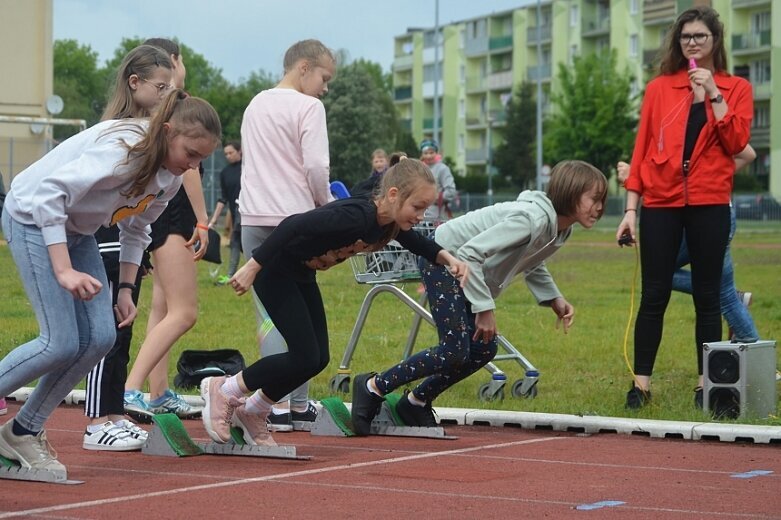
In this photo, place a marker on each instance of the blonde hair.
(569, 180)
(141, 61)
(189, 116)
(313, 51)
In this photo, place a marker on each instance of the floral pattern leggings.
(457, 355)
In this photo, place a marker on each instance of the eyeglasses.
(699, 38)
(161, 87)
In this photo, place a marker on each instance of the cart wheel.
(531, 393)
(485, 394)
(342, 386)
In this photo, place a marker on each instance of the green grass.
(583, 372)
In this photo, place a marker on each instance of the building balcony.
(658, 12)
(762, 91)
(402, 93)
(428, 123)
(760, 137)
(751, 43)
(405, 124)
(545, 35)
(743, 4)
(475, 121)
(475, 84)
(500, 80)
(649, 56)
(497, 117)
(542, 72)
(476, 46)
(403, 62)
(476, 155)
(593, 27)
(500, 42)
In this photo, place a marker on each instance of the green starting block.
(335, 421)
(169, 438)
(12, 470)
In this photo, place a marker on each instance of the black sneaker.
(637, 398)
(414, 415)
(303, 421)
(366, 404)
(279, 422)
(698, 397)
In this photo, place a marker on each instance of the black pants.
(661, 232)
(106, 381)
(296, 308)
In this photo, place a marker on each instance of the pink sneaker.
(253, 426)
(219, 408)
(3, 406)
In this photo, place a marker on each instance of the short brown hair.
(569, 180)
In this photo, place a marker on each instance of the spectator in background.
(230, 185)
(379, 165)
(446, 185)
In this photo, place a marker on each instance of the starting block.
(12, 470)
(168, 438)
(334, 420)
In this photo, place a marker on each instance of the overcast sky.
(242, 36)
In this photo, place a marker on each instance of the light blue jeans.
(737, 315)
(74, 334)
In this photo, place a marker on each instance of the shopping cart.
(395, 265)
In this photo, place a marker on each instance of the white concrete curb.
(710, 431)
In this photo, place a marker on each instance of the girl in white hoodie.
(498, 243)
(117, 172)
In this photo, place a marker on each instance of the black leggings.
(296, 308)
(661, 232)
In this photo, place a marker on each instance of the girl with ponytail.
(121, 172)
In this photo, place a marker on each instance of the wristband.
(630, 209)
(127, 285)
(202, 226)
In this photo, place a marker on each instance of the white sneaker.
(135, 431)
(111, 437)
(31, 451)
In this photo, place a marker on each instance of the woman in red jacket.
(695, 117)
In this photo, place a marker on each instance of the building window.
(573, 51)
(633, 8)
(461, 108)
(460, 143)
(760, 72)
(761, 116)
(574, 15)
(462, 73)
(634, 46)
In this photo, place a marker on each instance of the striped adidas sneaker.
(110, 437)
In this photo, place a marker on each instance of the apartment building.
(479, 61)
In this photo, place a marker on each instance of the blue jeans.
(74, 334)
(737, 315)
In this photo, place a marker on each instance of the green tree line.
(360, 111)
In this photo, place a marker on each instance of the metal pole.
(435, 129)
(489, 163)
(539, 96)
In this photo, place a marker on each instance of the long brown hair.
(187, 115)
(673, 59)
(141, 61)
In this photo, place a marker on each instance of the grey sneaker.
(31, 451)
(218, 412)
(174, 403)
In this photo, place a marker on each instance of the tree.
(80, 84)
(361, 118)
(594, 115)
(515, 157)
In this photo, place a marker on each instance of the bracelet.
(127, 285)
(202, 226)
(630, 209)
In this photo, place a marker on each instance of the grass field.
(583, 372)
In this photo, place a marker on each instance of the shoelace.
(44, 448)
(230, 407)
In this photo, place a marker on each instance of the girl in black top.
(283, 273)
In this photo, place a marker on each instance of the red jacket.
(656, 170)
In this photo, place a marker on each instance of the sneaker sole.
(206, 414)
(141, 416)
(303, 426)
(103, 447)
(280, 428)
